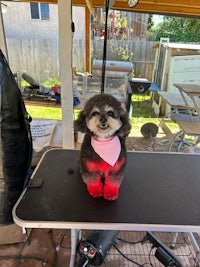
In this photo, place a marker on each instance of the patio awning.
(171, 7)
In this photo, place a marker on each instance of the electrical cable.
(61, 243)
(55, 247)
(127, 258)
(150, 256)
(20, 257)
(144, 239)
(133, 242)
(43, 260)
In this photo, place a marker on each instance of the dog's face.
(103, 121)
(103, 116)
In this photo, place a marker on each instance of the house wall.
(19, 25)
(33, 44)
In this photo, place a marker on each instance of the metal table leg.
(75, 237)
(195, 246)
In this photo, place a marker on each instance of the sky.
(157, 18)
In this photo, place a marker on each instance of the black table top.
(160, 192)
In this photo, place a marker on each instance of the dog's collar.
(101, 139)
(107, 148)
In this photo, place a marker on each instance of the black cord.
(144, 239)
(61, 243)
(55, 248)
(105, 49)
(133, 242)
(150, 256)
(23, 257)
(127, 258)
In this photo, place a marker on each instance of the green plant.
(124, 54)
(51, 82)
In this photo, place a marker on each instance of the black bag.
(15, 142)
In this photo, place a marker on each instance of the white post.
(65, 50)
(3, 46)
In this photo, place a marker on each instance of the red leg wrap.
(94, 186)
(111, 191)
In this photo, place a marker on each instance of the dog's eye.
(95, 113)
(111, 114)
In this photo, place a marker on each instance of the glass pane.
(34, 10)
(44, 9)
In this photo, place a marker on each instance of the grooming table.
(159, 193)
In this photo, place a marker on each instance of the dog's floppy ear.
(126, 126)
(80, 123)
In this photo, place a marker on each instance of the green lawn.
(44, 112)
(142, 113)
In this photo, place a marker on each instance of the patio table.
(192, 91)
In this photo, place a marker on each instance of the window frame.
(39, 8)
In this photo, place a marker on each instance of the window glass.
(34, 11)
(39, 11)
(44, 9)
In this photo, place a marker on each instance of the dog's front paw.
(111, 192)
(95, 190)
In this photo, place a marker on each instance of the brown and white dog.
(103, 151)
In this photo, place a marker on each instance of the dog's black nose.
(103, 119)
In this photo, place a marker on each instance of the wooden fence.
(40, 58)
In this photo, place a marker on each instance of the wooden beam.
(111, 3)
(189, 8)
(89, 5)
(170, 7)
(93, 3)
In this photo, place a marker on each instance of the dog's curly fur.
(102, 117)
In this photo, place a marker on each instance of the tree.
(150, 22)
(177, 29)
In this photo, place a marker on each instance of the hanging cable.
(131, 260)
(105, 49)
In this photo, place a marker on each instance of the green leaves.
(178, 29)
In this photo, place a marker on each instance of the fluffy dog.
(103, 152)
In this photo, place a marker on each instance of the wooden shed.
(175, 63)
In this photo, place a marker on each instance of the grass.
(44, 112)
(141, 114)
(47, 112)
